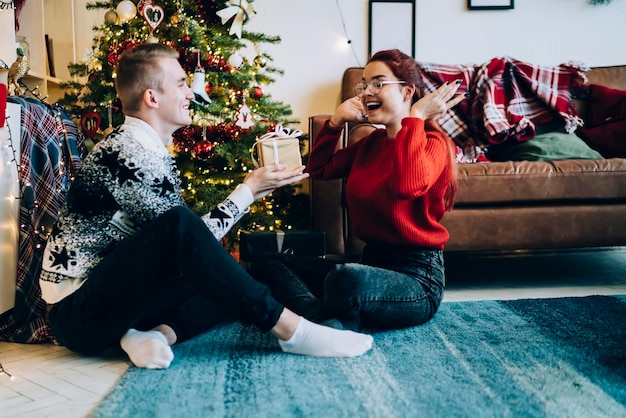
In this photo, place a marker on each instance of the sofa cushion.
(547, 146)
(522, 182)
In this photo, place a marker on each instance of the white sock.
(147, 349)
(312, 339)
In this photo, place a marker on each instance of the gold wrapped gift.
(280, 146)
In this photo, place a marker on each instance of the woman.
(400, 182)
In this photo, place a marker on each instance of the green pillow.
(550, 146)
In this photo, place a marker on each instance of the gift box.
(282, 145)
(254, 244)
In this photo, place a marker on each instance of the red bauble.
(186, 38)
(203, 150)
(113, 58)
(256, 92)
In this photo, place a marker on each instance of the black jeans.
(393, 287)
(172, 271)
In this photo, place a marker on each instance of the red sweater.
(395, 188)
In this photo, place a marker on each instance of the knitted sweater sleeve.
(420, 158)
(325, 161)
(221, 219)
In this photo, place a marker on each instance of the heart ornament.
(153, 15)
(90, 123)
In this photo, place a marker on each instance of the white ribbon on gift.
(278, 134)
(242, 10)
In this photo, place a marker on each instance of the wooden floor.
(50, 381)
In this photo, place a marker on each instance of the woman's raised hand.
(351, 110)
(434, 105)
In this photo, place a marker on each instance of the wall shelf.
(56, 19)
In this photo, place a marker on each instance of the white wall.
(314, 52)
(7, 36)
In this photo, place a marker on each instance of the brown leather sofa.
(505, 206)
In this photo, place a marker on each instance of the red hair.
(405, 68)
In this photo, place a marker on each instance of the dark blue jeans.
(392, 287)
(172, 271)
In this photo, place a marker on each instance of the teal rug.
(562, 357)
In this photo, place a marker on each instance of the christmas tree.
(230, 111)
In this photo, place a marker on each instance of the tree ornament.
(256, 92)
(153, 15)
(203, 150)
(186, 38)
(235, 60)
(198, 86)
(113, 58)
(111, 17)
(244, 117)
(260, 61)
(90, 123)
(126, 10)
(239, 11)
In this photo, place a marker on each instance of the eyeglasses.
(375, 86)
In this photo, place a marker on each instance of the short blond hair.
(139, 69)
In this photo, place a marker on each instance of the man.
(128, 265)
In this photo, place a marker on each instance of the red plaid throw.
(508, 99)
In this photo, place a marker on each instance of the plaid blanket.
(507, 99)
(51, 153)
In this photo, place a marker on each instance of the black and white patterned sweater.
(126, 181)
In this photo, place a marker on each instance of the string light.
(345, 31)
(12, 148)
(27, 194)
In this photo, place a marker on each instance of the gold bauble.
(175, 19)
(111, 17)
(260, 61)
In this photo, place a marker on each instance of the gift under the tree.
(254, 244)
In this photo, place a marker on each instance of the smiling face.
(389, 106)
(174, 95)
